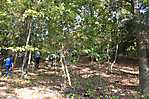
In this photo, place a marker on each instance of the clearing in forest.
(88, 80)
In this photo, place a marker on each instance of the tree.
(96, 28)
(142, 37)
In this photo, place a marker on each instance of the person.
(9, 65)
(37, 59)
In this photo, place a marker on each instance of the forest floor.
(88, 80)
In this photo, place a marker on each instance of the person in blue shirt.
(9, 65)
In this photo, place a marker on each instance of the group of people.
(8, 63)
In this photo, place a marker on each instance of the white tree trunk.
(64, 66)
(116, 54)
(27, 42)
(29, 58)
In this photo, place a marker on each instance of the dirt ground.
(88, 80)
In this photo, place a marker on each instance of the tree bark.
(143, 67)
(64, 66)
(29, 58)
(26, 52)
(108, 52)
(115, 57)
(142, 49)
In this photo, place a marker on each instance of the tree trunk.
(67, 72)
(115, 57)
(29, 57)
(15, 58)
(26, 52)
(64, 66)
(24, 65)
(108, 54)
(142, 50)
(143, 64)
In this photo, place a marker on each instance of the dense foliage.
(100, 29)
(92, 27)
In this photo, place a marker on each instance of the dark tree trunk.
(142, 37)
(143, 64)
(140, 29)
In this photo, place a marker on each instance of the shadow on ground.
(88, 81)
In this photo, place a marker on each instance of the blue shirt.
(8, 61)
